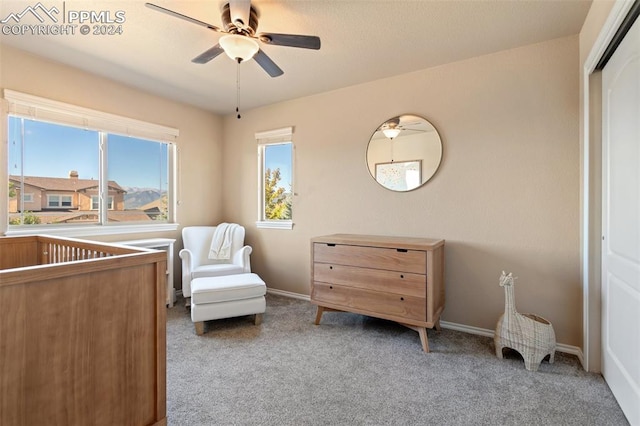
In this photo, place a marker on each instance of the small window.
(95, 203)
(275, 154)
(53, 201)
(28, 198)
(277, 181)
(66, 201)
(58, 201)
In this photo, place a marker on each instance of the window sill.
(274, 224)
(91, 230)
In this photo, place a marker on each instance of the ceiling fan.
(240, 42)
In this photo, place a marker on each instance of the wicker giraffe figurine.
(532, 336)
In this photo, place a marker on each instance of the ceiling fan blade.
(291, 40)
(240, 11)
(181, 16)
(208, 55)
(267, 64)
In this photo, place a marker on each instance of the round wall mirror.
(404, 152)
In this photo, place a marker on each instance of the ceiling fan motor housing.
(240, 27)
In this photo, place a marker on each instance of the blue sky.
(53, 150)
(279, 156)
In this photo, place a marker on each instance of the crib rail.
(20, 252)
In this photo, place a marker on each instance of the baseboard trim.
(289, 294)
(467, 328)
(560, 347)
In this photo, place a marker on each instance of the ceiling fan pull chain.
(238, 89)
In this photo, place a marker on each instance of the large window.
(275, 163)
(110, 171)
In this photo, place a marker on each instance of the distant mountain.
(138, 197)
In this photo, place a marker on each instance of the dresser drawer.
(412, 261)
(403, 283)
(370, 302)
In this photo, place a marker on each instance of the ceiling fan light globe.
(391, 132)
(239, 47)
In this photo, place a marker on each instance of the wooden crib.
(82, 333)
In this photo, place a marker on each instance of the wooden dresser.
(395, 278)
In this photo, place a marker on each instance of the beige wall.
(506, 195)
(199, 142)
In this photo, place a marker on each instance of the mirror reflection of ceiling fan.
(405, 123)
(240, 42)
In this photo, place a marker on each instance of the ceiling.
(362, 40)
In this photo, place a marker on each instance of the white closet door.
(621, 224)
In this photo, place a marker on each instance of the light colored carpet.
(357, 370)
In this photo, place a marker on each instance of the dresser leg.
(422, 332)
(423, 338)
(319, 314)
(437, 326)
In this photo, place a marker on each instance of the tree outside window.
(277, 202)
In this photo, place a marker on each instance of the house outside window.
(86, 170)
(275, 171)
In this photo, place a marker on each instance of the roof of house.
(158, 204)
(63, 184)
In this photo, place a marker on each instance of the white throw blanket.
(221, 241)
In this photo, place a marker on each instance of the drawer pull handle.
(401, 276)
(331, 287)
(330, 267)
(402, 250)
(402, 298)
(330, 245)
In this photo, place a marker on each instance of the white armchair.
(195, 256)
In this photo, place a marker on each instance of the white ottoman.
(227, 296)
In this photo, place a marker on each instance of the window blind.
(34, 107)
(275, 136)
